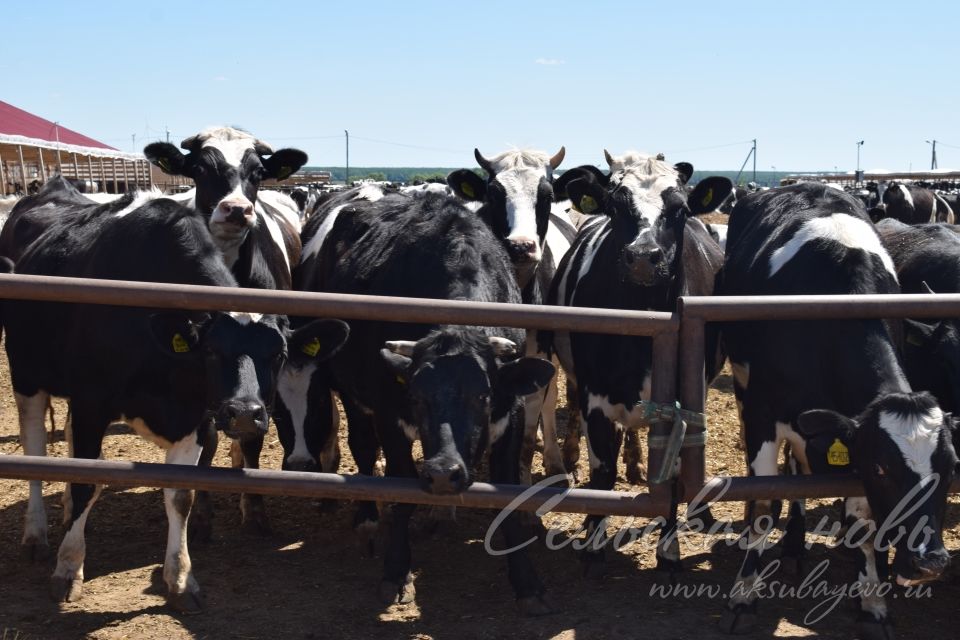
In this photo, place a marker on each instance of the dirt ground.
(311, 578)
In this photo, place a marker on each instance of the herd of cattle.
(628, 238)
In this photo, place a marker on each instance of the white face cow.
(227, 166)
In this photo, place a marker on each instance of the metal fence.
(678, 353)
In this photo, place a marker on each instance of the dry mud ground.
(311, 579)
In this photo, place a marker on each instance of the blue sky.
(423, 83)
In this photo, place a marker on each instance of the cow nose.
(523, 250)
(301, 465)
(932, 565)
(239, 213)
(442, 480)
(655, 256)
(240, 418)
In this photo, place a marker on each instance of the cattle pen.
(679, 349)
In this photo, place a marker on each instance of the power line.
(411, 146)
(716, 146)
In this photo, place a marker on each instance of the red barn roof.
(17, 122)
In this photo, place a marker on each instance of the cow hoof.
(533, 606)
(258, 525)
(66, 589)
(393, 593)
(740, 619)
(187, 603)
(35, 551)
(875, 630)
(560, 477)
(636, 474)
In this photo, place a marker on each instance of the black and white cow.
(517, 203)
(832, 389)
(643, 253)
(458, 390)
(927, 259)
(912, 205)
(171, 376)
(258, 233)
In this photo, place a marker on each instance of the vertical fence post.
(23, 169)
(3, 178)
(693, 395)
(113, 168)
(663, 389)
(43, 170)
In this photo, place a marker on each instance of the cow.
(645, 251)
(459, 390)
(927, 260)
(173, 377)
(833, 390)
(258, 233)
(912, 205)
(517, 203)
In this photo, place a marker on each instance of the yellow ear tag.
(312, 348)
(284, 173)
(838, 455)
(164, 164)
(707, 199)
(467, 190)
(401, 380)
(179, 344)
(914, 339)
(588, 204)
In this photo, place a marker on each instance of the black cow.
(927, 259)
(796, 381)
(646, 250)
(458, 389)
(518, 204)
(173, 377)
(912, 205)
(258, 234)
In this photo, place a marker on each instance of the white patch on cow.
(283, 205)
(177, 571)
(798, 445)
(498, 428)
(948, 217)
(933, 211)
(869, 584)
(371, 192)
(139, 199)
(276, 235)
(316, 242)
(187, 198)
(646, 178)
(409, 430)
(32, 411)
(631, 417)
(237, 198)
(244, 318)
(557, 242)
(917, 436)
(741, 374)
(519, 173)
(841, 228)
(859, 508)
(721, 231)
(103, 198)
(292, 387)
(906, 196)
(73, 549)
(143, 430)
(232, 143)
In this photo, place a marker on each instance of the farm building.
(33, 149)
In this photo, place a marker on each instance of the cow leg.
(31, 410)
(571, 443)
(740, 616)
(200, 528)
(330, 451)
(397, 584)
(253, 514)
(364, 445)
(66, 584)
(873, 621)
(552, 457)
(793, 551)
(183, 593)
(603, 444)
(633, 458)
(505, 468)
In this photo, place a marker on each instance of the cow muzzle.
(644, 267)
(925, 568)
(240, 419)
(523, 251)
(301, 465)
(444, 477)
(236, 213)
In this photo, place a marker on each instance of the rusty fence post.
(693, 395)
(663, 390)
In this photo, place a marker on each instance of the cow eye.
(200, 170)
(880, 470)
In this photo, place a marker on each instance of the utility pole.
(933, 154)
(167, 129)
(754, 160)
(133, 139)
(56, 130)
(346, 180)
(857, 176)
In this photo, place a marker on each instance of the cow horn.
(191, 144)
(502, 346)
(606, 154)
(401, 347)
(262, 148)
(558, 158)
(926, 287)
(483, 162)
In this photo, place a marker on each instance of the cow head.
(901, 446)
(227, 166)
(648, 208)
(517, 196)
(242, 354)
(461, 396)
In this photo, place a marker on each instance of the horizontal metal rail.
(905, 305)
(334, 305)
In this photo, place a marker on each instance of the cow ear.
(919, 334)
(177, 335)
(685, 169)
(318, 340)
(587, 196)
(167, 157)
(524, 376)
(708, 194)
(823, 422)
(398, 364)
(467, 185)
(284, 163)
